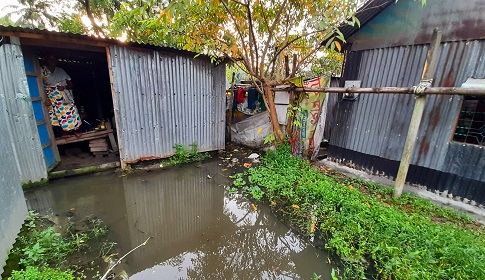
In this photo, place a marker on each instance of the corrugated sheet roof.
(365, 14)
(83, 39)
(407, 22)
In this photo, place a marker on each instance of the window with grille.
(471, 123)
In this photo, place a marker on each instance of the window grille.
(471, 123)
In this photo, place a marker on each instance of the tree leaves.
(255, 34)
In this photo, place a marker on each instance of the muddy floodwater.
(199, 230)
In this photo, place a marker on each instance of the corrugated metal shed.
(375, 126)
(162, 99)
(20, 122)
(12, 200)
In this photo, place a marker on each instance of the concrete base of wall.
(84, 170)
(455, 186)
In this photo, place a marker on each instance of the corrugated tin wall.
(333, 99)
(20, 122)
(166, 99)
(377, 125)
(12, 202)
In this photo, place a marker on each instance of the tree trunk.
(272, 114)
(90, 15)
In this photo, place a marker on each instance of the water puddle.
(199, 230)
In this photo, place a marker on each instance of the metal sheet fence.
(12, 200)
(377, 125)
(162, 99)
(20, 123)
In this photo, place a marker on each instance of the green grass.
(406, 238)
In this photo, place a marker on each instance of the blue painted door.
(37, 96)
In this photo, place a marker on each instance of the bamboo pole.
(428, 73)
(391, 90)
(231, 112)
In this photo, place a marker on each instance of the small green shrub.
(36, 273)
(186, 155)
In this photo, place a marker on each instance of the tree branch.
(307, 56)
(270, 35)
(252, 40)
(245, 53)
(89, 13)
(293, 40)
(119, 261)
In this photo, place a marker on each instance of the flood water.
(199, 230)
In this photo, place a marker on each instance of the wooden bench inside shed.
(97, 140)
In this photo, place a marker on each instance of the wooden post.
(231, 112)
(287, 66)
(268, 94)
(116, 108)
(428, 73)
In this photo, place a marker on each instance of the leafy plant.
(316, 276)
(34, 272)
(106, 248)
(186, 155)
(42, 249)
(270, 138)
(238, 180)
(255, 192)
(406, 238)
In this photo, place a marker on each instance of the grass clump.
(406, 238)
(184, 154)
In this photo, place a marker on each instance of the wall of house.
(163, 99)
(12, 201)
(407, 22)
(20, 125)
(371, 131)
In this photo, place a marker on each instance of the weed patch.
(185, 155)
(42, 251)
(406, 238)
(33, 272)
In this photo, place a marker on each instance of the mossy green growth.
(30, 184)
(407, 238)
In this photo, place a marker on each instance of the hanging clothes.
(62, 112)
(240, 95)
(252, 98)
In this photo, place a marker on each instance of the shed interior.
(95, 142)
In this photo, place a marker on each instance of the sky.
(4, 4)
